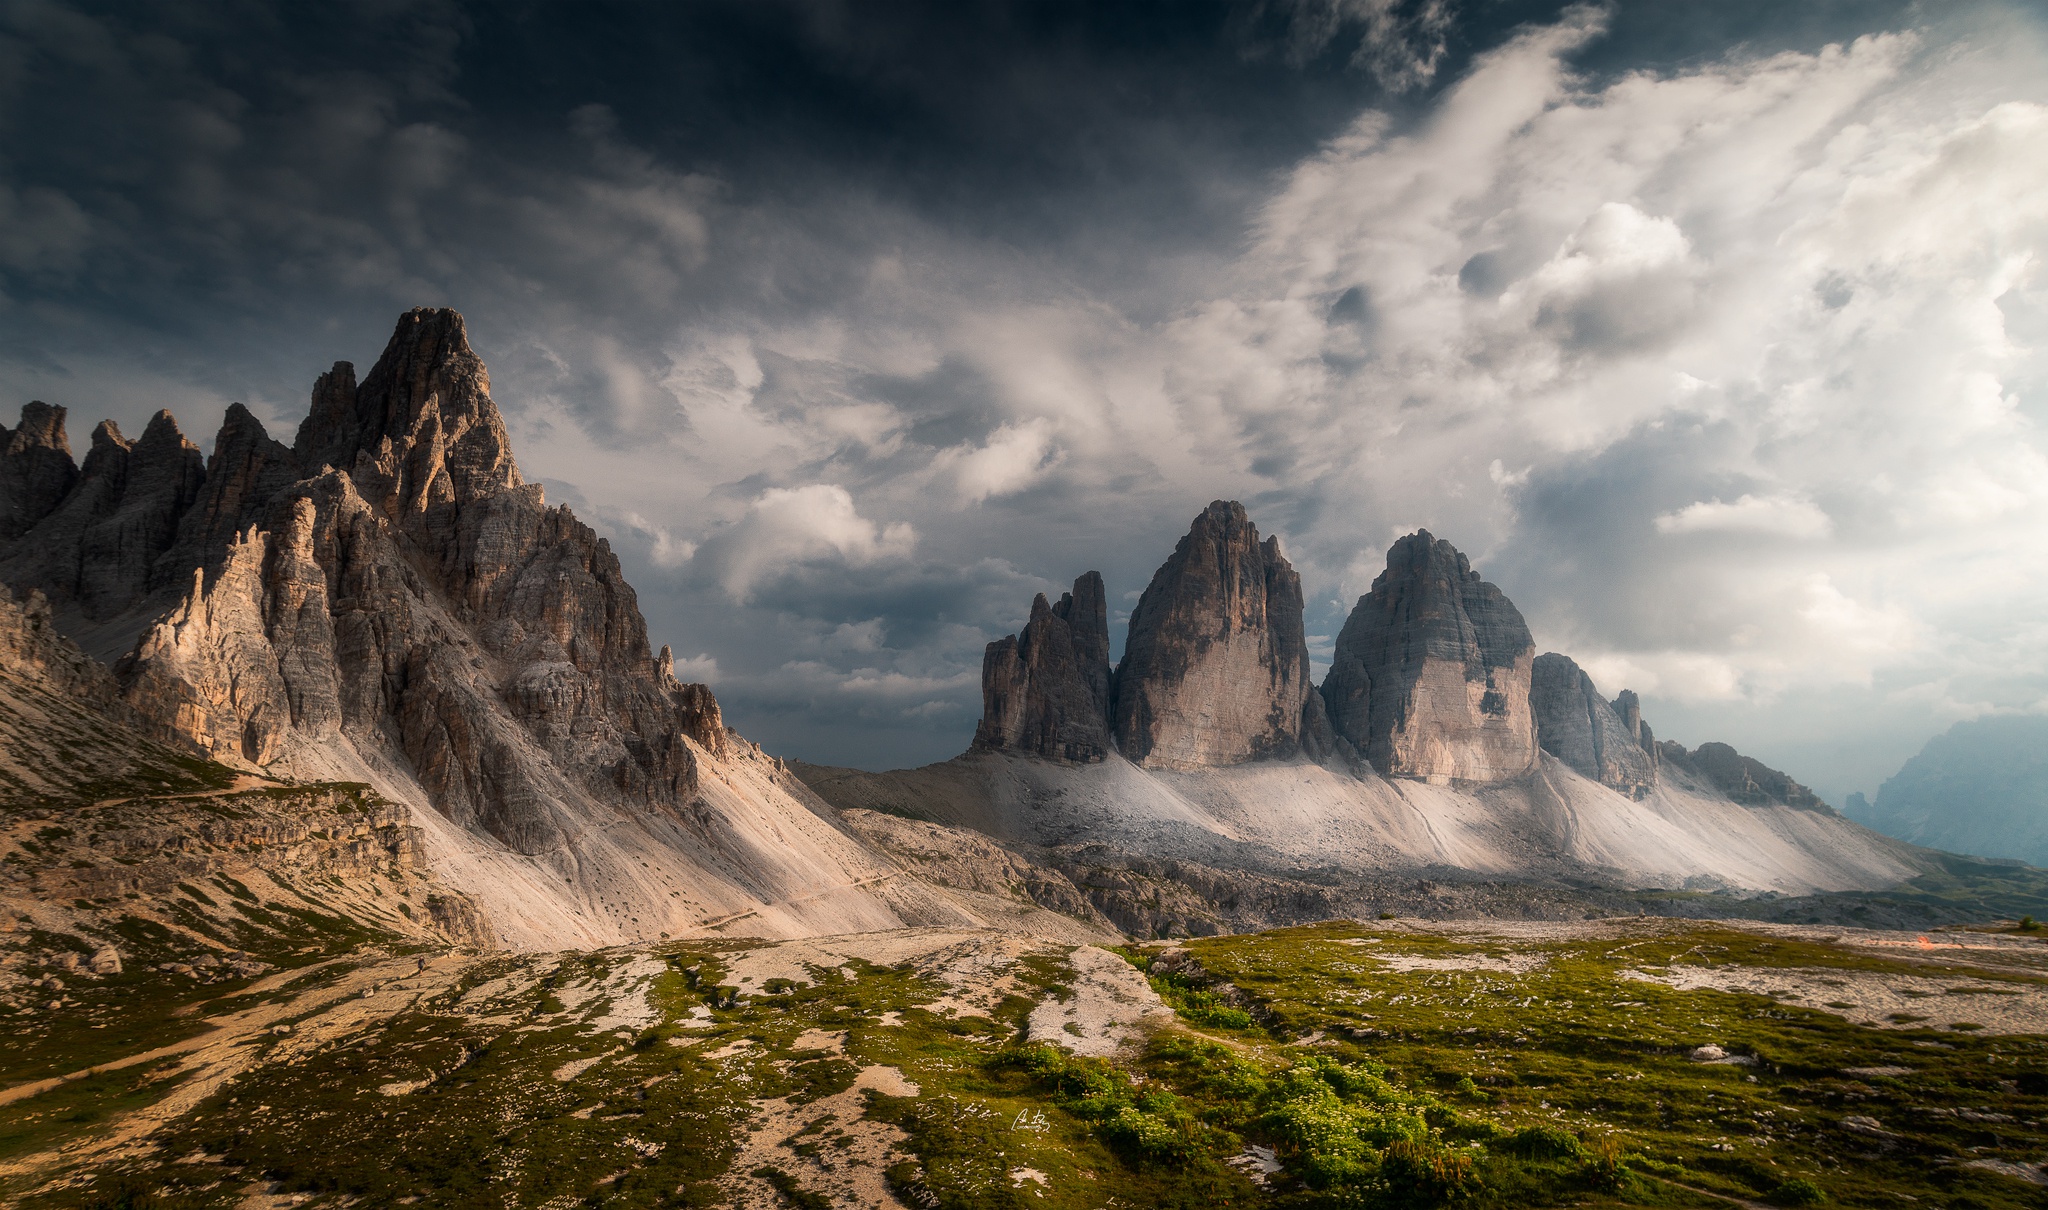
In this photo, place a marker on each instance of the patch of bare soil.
(1879, 998)
(827, 1147)
(1109, 1007)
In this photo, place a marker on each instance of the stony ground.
(1389, 1062)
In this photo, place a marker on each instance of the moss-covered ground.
(641, 1077)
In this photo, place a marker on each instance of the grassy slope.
(1562, 1085)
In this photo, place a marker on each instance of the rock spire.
(1216, 669)
(1430, 675)
(1045, 690)
(1582, 729)
(36, 469)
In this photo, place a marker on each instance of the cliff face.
(1582, 729)
(98, 551)
(1743, 778)
(1216, 669)
(1045, 691)
(388, 601)
(36, 469)
(1431, 673)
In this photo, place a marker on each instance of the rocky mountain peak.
(420, 433)
(36, 468)
(1582, 729)
(1216, 668)
(1045, 690)
(1744, 778)
(95, 550)
(1430, 675)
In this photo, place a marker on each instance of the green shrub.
(1543, 1143)
(1798, 1192)
(1425, 1173)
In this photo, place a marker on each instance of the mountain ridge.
(387, 602)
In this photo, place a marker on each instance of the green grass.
(1562, 1085)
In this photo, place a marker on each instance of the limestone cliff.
(97, 552)
(1582, 729)
(1431, 673)
(1216, 670)
(1745, 779)
(36, 469)
(388, 601)
(1045, 690)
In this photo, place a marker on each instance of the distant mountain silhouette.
(1982, 788)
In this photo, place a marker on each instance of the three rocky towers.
(1434, 676)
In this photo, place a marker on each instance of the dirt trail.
(380, 988)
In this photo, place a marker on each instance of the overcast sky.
(1714, 334)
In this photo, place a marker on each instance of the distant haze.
(1981, 788)
(1713, 334)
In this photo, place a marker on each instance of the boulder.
(1045, 690)
(1430, 675)
(1216, 669)
(1582, 729)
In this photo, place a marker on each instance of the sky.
(1713, 334)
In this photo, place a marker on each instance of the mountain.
(1045, 691)
(1215, 671)
(387, 602)
(1981, 787)
(384, 607)
(1605, 741)
(1430, 675)
(1450, 752)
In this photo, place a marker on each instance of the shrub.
(1543, 1143)
(1421, 1173)
(1603, 1166)
(1798, 1192)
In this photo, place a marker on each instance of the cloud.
(1786, 515)
(1399, 41)
(1013, 457)
(784, 527)
(1730, 369)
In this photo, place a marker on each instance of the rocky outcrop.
(1431, 673)
(1742, 778)
(1216, 670)
(97, 551)
(36, 469)
(1582, 729)
(1630, 709)
(1045, 690)
(388, 601)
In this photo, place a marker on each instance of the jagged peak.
(162, 434)
(42, 426)
(427, 389)
(107, 435)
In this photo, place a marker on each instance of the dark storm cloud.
(854, 325)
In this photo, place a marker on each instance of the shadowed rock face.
(1579, 727)
(1045, 691)
(98, 550)
(1216, 669)
(36, 470)
(1745, 779)
(1430, 675)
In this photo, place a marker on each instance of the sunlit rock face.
(1216, 669)
(1045, 690)
(1579, 727)
(1430, 676)
(386, 600)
